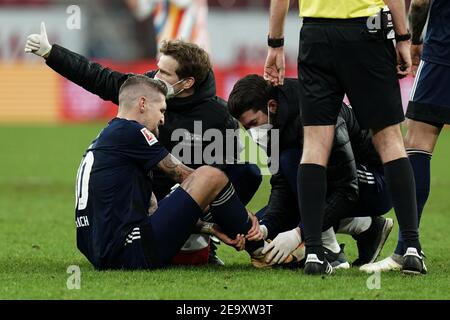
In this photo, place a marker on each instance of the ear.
(142, 102)
(188, 83)
(272, 104)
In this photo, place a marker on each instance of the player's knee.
(421, 136)
(412, 141)
(211, 176)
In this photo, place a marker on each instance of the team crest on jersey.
(150, 137)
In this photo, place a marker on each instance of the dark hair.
(192, 60)
(250, 93)
(142, 80)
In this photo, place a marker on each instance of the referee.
(346, 48)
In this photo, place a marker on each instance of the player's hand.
(255, 233)
(238, 243)
(275, 66)
(283, 244)
(416, 54)
(403, 58)
(38, 43)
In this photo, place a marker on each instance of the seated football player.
(187, 71)
(114, 188)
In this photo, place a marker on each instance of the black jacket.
(350, 144)
(361, 140)
(203, 105)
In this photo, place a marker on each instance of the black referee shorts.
(338, 57)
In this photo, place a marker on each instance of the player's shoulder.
(127, 131)
(128, 135)
(138, 133)
(123, 126)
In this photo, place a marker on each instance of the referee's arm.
(275, 64)
(398, 11)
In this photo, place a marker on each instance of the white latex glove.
(38, 43)
(283, 244)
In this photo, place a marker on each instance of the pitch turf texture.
(37, 239)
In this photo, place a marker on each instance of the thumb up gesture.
(38, 43)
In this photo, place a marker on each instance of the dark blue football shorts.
(430, 95)
(154, 243)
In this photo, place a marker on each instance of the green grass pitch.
(37, 238)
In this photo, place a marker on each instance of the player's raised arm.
(174, 168)
(92, 76)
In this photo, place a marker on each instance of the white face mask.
(260, 134)
(170, 90)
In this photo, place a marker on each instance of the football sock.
(400, 181)
(232, 217)
(420, 162)
(312, 188)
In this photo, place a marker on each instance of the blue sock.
(420, 162)
(232, 217)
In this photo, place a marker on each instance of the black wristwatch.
(274, 42)
(403, 37)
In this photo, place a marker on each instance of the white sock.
(329, 240)
(354, 226)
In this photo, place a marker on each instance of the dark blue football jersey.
(113, 189)
(436, 47)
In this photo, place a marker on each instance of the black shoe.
(371, 241)
(413, 262)
(313, 266)
(213, 258)
(337, 260)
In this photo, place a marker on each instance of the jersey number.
(83, 175)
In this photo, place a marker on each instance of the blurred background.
(124, 35)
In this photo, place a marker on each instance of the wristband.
(403, 37)
(275, 43)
